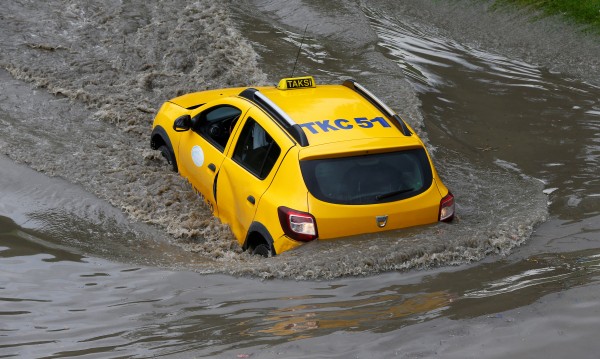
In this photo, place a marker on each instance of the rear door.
(249, 169)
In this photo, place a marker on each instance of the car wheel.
(262, 250)
(166, 152)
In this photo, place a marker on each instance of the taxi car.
(298, 162)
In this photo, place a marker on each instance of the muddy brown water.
(104, 253)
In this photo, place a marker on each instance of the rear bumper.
(285, 243)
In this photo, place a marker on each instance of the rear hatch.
(370, 191)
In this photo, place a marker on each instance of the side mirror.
(182, 123)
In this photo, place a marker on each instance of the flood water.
(105, 253)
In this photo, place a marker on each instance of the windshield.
(368, 179)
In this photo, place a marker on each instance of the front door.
(202, 150)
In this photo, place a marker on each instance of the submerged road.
(104, 253)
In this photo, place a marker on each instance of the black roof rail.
(398, 122)
(277, 114)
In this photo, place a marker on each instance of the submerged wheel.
(262, 250)
(166, 152)
(259, 241)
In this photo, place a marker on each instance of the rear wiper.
(379, 197)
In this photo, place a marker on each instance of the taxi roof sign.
(296, 83)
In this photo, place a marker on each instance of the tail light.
(297, 225)
(447, 208)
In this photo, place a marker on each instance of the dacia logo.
(381, 221)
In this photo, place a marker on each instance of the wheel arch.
(158, 138)
(258, 233)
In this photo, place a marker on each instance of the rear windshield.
(368, 179)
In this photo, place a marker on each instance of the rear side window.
(368, 179)
(256, 151)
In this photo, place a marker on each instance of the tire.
(167, 153)
(262, 250)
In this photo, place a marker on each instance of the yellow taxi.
(298, 162)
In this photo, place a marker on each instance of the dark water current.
(104, 253)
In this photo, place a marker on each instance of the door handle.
(212, 167)
(251, 199)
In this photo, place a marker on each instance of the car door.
(202, 150)
(249, 169)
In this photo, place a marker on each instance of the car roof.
(316, 115)
(332, 113)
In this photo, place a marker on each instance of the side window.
(215, 124)
(256, 150)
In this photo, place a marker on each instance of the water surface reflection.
(56, 303)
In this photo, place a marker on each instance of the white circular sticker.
(197, 156)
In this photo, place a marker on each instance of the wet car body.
(297, 162)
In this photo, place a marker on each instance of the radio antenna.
(299, 48)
